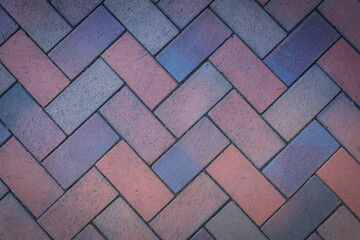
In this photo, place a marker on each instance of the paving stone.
(247, 73)
(3, 189)
(342, 119)
(86, 42)
(78, 206)
(12, 216)
(89, 233)
(134, 180)
(301, 158)
(8, 26)
(303, 46)
(83, 96)
(189, 210)
(4, 134)
(34, 186)
(290, 13)
(182, 12)
(6, 79)
(137, 125)
(145, 21)
(202, 234)
(342, 174)
(303, 213)
(342, 63)
(342, 225)
(29, 123)
(39, 20)
(32, 68)
(190, 155)
(119, 220)
(80, 151)
(246, 129)
(232, 223)
(193, 99)
(263, 2)
(344, 17)
(314, 236)
(296, 107)
(139, 70)
(245, 185)
(251, 23)
(193, 45)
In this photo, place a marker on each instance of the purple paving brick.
(29, 123)
(300, 159)
(303, 213)
(193, 45)
(79, 152)
(303, 46)
(6, 79)
(190, 155)
(314, 236)
(202, 234)
(86, 42)
(4, 134)
(3, 189)
(39, 19)
(8, 26)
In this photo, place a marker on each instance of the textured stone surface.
(4, 134)
(202, 234)
(3, 189)
(8, 26)
(6, 79)
(89, 233)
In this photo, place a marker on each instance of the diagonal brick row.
(169, 119)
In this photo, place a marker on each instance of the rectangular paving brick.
(190, 155)
(232, 223)
(83, 96)
(342, 63)
(247, 19)
(120, 221)
(193, 45)
(193, 99)
(301, 158)
(89, 233)
(290, 13)
(27, 179)
(29, 123)
(190, 209)
(137, 125)
(32, 68)
(6, 79)
(4, 134)
(145, 21)
(202, 234)
(86, 42)
(3, 189)
(342, 174)
(79, 152)
(342, 119)
(314, 236)
(8, 26)
(78, 206)
(245, 185)
(303, 213)
(39, 20)
(134, 180)
(16, 223)
(139, 70)
(182, 12)
(296, 107)
(247, 73)
(246, 129)
(303, 46)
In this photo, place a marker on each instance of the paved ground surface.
(180, 119)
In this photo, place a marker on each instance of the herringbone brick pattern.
(180, 119)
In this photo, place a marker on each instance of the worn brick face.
(8, 26)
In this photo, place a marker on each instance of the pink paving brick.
(32, 68)
(314, 236)
(86, 42)
(311, 93)
(245, 184)
(137, 125)
(79, 152)
(342, 174)
(29, 123)
(119, 220)
(78, 206)
(89, 233)
(140, 70)
(263, 2)
(39, 20)
(342, 120)
(189, 210)
(16, 223)
(193, 99)
(135, 180)
(8, 26)
(3, 189)
(345, 17)
(247, 73)
(246, 129)
(34, 186)
(342, 63)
